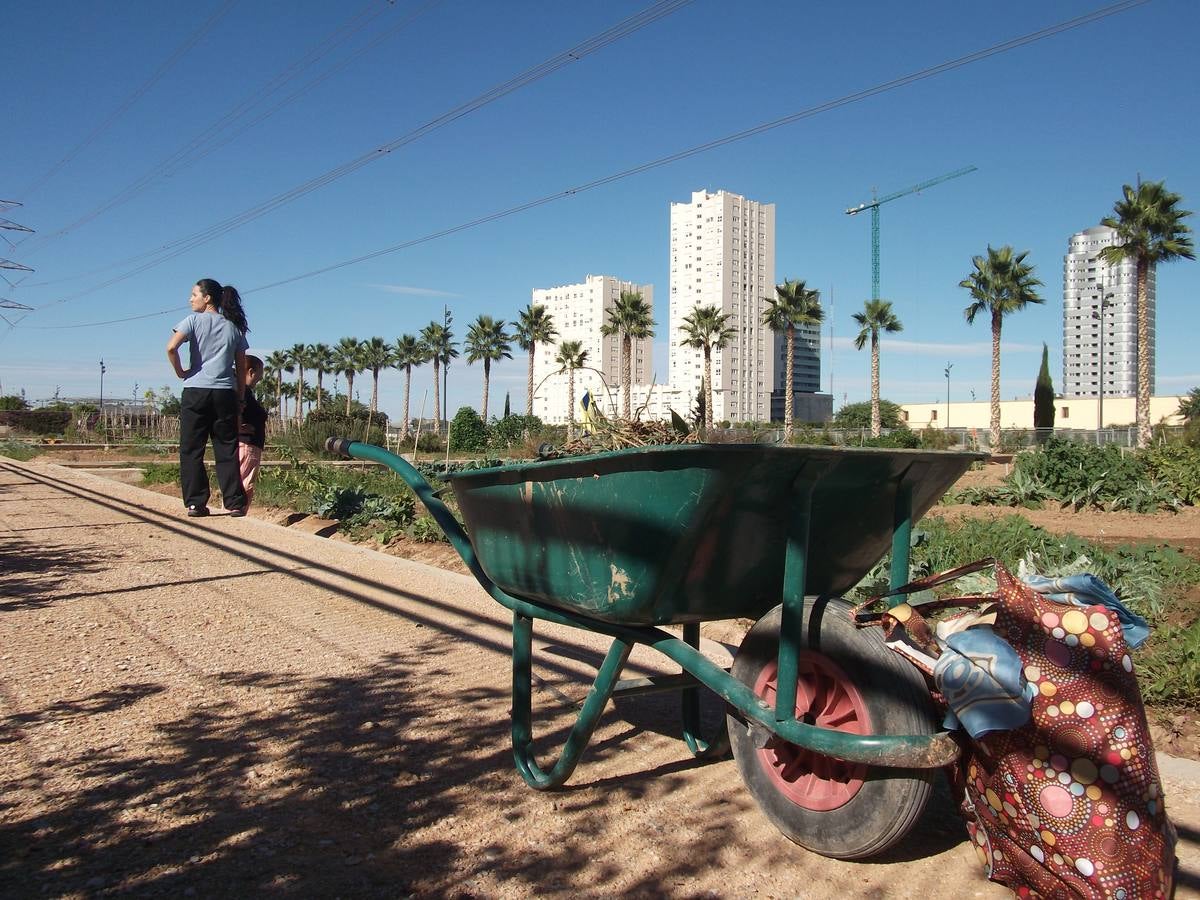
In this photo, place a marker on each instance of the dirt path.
(215, 707)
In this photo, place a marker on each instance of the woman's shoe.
(196, 512)
(237, 512)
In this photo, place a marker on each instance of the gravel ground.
(223, 706)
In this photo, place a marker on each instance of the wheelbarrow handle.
(425, 492)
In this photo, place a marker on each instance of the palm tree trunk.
(997, 318)
(487, 372)
(349, 390)
(279, 395)
(708, 390)
(876, 424)
(570, 404)
(374, 391)
(787, 384)
(437, 395)
(626, 371)
(320, 377)
(300, 396)
(407, 390)
(529, 383)
(1142, 414)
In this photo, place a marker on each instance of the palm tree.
(876, 316)
(277, 362)
(406, 353)
(1189, 407)
(630, 318)
(1002, 283)
(487, 341)
(375, 354)
(794, 304)
(298, 356)
(438, 337)
(348, 361)
(1150, 230)
(705, 329)
(534, 326)
(323, 361)
(571, 356)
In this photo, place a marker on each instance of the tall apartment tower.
(579, 312)
(723, 255)
(1087, 278)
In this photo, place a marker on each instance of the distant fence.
(1010, 438)
(115, 425)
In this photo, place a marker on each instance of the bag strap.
(912, 618)
(930, 581)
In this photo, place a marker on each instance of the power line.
(809, 112)
(178, 159)
(299, 92)
(732, 138)
(593, 45)
(133, 98)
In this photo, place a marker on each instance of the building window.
(1066, 412)
(933, 415)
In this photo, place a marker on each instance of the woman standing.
(213, 385)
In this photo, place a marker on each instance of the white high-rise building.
(1086, 278)
(579, 312)
(723, 255)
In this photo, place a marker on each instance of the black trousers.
(209, 413)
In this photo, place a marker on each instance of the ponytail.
(231, 308)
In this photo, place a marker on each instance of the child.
(252, 431)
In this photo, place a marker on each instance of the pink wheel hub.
(825, 697)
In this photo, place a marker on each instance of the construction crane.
(874, 205)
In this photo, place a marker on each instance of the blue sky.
(1055, 128)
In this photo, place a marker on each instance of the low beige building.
(1069, 412)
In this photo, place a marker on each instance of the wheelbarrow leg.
(718, 745)
(522, 708)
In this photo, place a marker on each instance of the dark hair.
(227, 300)
(210, 288)
(231, 308)
(254, 362)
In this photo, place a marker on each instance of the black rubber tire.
(897, 700)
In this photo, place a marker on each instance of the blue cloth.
(981, 677)
(1088, 590)
(213, 342)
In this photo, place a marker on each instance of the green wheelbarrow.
(833, 734)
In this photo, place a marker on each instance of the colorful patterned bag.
(1069, 804)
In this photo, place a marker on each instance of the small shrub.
(897, 438)
(356, 506)
(811, 435)
(1012, 441)
(424, 530)
(19, 451)
(1169, 667)
(428, 442)
(318, 427)
(468, 432)
(858, 415)
(160, 473)
(511, 431)
(937, 439)
(1177, 467)
(1082, 474)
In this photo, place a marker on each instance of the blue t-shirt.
(213, 342)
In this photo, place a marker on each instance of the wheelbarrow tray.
(690, 533)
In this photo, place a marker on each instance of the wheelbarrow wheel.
(850, 681)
